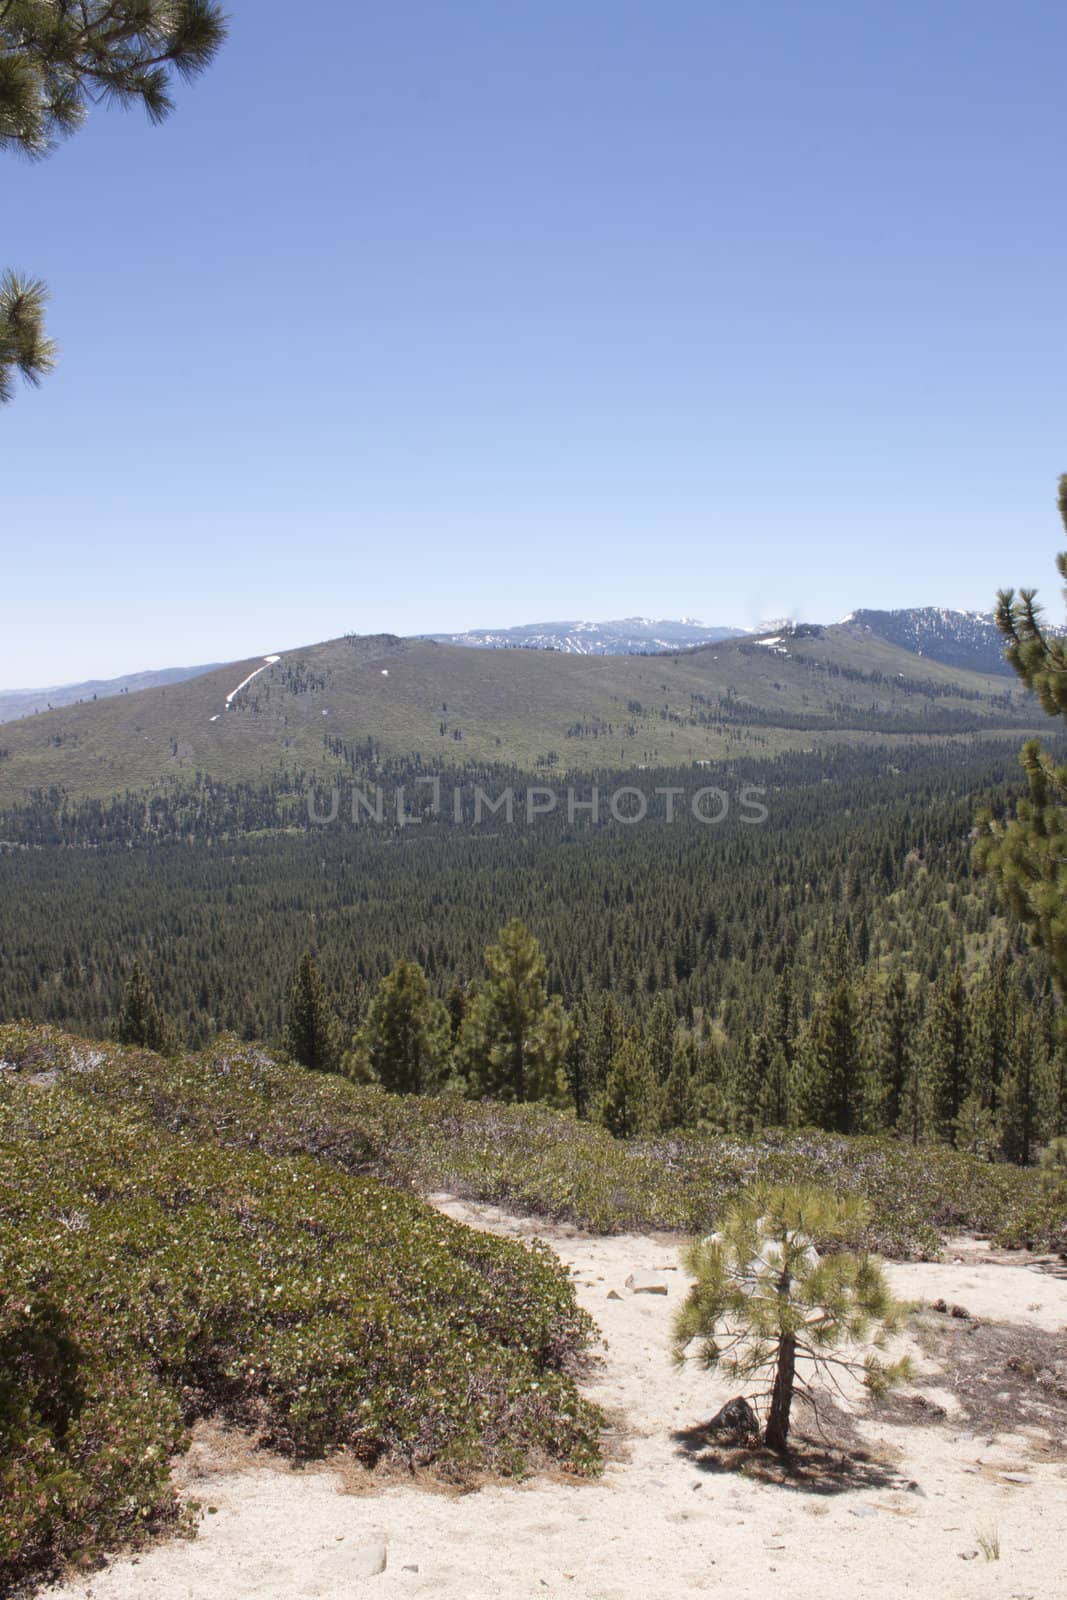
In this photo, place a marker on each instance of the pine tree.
(1020, 1094)
(514, 1039)
(764, 1299)
(606, 1037)
(750, 1082)
(678, 1101)
(59, 57)
(140, 1021)
(947, 1053)
(311, 1033)
(992, 1022)
(892, 1059)
(775, 1106)
(24, 349)
(833, 1089)
(662, 1033)
(629, 1104)
(1026, 856)
(405, 1044)
(582, 1021)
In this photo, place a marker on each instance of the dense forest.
(838, 965)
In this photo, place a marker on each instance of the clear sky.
(428, 314)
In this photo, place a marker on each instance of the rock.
(1015, 1477)
(613, 1294)
(861, 1511)
(645, 1283)
(736, 1419)
(369, 1561)
(931, 1407)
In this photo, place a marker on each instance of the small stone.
(370, 1561)
(645, 1283)
(1016, 1477)
(412, 1567)
(613, 1294)
(736, 1419)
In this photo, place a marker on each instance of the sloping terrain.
(15, 703)
(882, 1507)
(326, 709)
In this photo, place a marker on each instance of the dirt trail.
(662, 1522)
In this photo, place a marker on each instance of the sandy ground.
(664, 1520)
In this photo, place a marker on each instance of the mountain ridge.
(967, 639)
(332, 710)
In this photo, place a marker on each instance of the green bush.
(547, 1162)
(152, 1276)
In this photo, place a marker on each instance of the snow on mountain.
(627, 636)
(967, 639)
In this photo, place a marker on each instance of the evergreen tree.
(662, 1033)
(59, 57)
(140, 1021)
(678, 1102)
(580, 1035)
(946, 1045)
(405, 1043)
(514, 1039)
(24, 349)
(992, 1023)
(1026, 856)
(629, 1104)
(606, 1036)
(832, 1069)
(750, 1083)
(1020, 1096)
(893, 1090)
(311, 1033)
(775, 1107)
(764, 1299)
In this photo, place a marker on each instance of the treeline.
(972, 1065)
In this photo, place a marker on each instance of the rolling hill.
(321, 710)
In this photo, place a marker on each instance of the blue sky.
(446, 313)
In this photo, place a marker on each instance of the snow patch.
(268, 661)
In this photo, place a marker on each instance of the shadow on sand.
(812, 1466)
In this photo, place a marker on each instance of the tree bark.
(777, 1434)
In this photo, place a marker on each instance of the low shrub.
(547, 1162)
(150, 1277)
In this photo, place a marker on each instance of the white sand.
(655, 1525)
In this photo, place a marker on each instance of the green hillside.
(321, 709)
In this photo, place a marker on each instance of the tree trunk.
(782, 1395)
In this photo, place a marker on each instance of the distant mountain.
(15, 703)
(327, 711)
(967, 639)
(628, 637)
